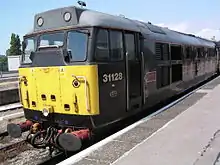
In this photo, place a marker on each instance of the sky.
(200, 17)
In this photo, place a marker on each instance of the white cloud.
(181, 27)
(194, 28)
(209, 33)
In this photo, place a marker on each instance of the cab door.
(133, 70)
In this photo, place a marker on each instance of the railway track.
(12, 150)
(14, 153)
(8, 148)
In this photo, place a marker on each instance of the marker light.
(40, 21)
(67, 16)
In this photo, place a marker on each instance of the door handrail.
(142, 64)
(127, 81)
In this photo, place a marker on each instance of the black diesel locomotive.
(83, 70)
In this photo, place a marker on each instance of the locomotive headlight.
(67, 16)
(40, 21)
(45, 112)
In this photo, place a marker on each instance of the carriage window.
(102, 49)
(116, 49)
(77, 46)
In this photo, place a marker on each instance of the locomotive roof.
(86, 17)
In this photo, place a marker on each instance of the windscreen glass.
(77, 45)
(54, 39)
(28, 47)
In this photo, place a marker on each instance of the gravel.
(30, 157)
(3, 123)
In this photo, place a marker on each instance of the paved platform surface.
(185, 134)
(192, 138)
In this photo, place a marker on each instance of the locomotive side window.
(199, 53)
(206, 52)
(202, 52)
(130, 46)
(194, 53)
(102, 48)
(187, 52)
(77, 46)
(176, 52)
(116, 43)
(211, 52)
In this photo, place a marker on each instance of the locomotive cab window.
(77, 46)
(54, 39)
(28, 47)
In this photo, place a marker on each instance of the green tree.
(18, 45)
(3, 63)
(15, 45)
(7, 52)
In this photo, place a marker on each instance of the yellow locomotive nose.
(62, 90)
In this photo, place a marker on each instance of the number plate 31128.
(112, 77)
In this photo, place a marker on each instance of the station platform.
(187, 133)
(9, 92)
